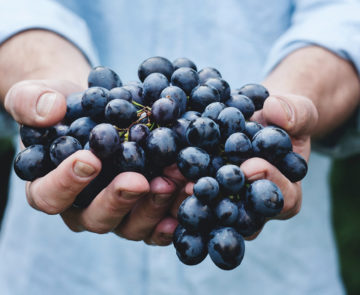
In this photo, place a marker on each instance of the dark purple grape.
(221, 86)
(195, 216)
(191, 115)
(183, 62)
(256, 92)
(226, 212)
(238, 148)
(80, 129)
(34, 135)
(74, 109)
(213, 110)
(32, 162)
(242, 103)
(271, 143)
(104, 140)
(120, 93)
(155, 64)
(193, 162)
(185, 78)
(207, 73)
(138, 133)
(63, 147)
(216, 163)
(153, 85)
(226, 247)
(176, 94)
(264, 197)
(94, 101)
(201, 96)
(251, 128)
(136, 93)
(293, 166)
(58, 130)
(248, 222)
(230, 120)
(164, 111)
(129, 157)
(206, 189)
(161, 146)
(231, 179)
(120, 112)
(191, 248)
(103, 77)
(204, 133)
(179, 128)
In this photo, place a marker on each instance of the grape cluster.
(176, 114)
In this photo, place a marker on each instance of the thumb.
(39, 103)
(294, 113)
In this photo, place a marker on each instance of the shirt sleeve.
(20, 15)
(334, 25)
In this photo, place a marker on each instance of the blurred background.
(345, 187)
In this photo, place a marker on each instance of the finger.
(257, 168)
(39, 103)
(57, 190)
(173, 173)
(110, 206)
(148, 211)
(163, 233)
(295, 114)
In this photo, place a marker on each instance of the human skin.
(312, 92)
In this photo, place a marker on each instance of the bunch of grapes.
(176, 114)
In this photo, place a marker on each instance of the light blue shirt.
(244, 40)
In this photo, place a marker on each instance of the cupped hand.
(129, 206)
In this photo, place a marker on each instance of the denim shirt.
(244, 40)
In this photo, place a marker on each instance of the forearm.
(329, 81)
(39, 54)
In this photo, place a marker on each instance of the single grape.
(63, 147)
(80, 129)
(156, 64)
(271, 143)
(103, 77)
(193, 162)
(213, 110)
(120, 93)
(226, 212)
(191, 248)
(207, 73)
(293, 166)
(242, 103)
(34, 135)
(32, 162)
(104, 140)
(129, 157)
(230, 120)
(153, 85)
(178, 95)
(165, 111)
(231, 179)
(264, 197)
(195, 216)
(120, 112)
(136, 93)
(94, 101)
(183, 62)
(185, 78)
(256, 92)
(221, 86)
(226, 247)
(201, 96)
(238, 148)
(139, 133)
(206, 189)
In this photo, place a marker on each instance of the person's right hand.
(129, 206)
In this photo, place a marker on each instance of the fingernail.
(256, 176)
(287, 109)
(45, 103)
(83, 170)
(161, 199)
